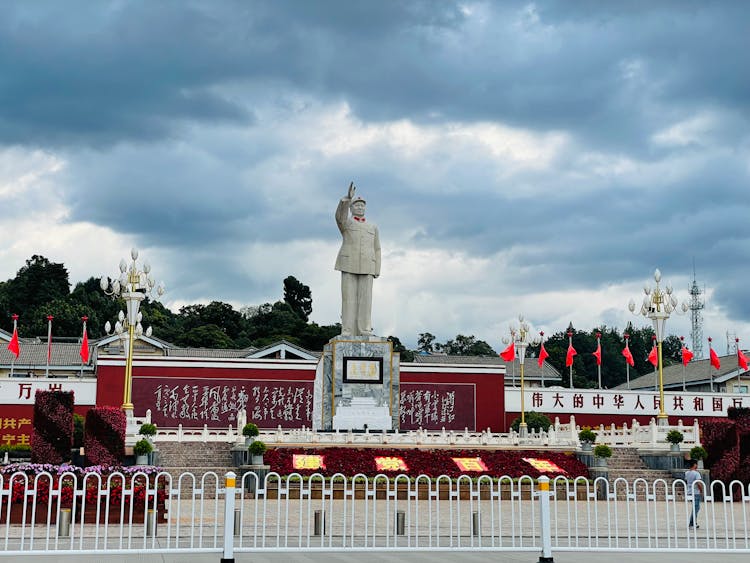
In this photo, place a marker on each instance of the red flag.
(13, 345)
(598, 353)
(543, 355)
(653, 357)
(715, 359)
(85, 346)
(741, 359)
(509, 353)
(569, 356)
(628, 356)
(687, 355)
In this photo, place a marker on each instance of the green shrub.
(534, 421)
(257, 448)
(698, 452)
(675, 437)
(147, 429)
(603, 450)
(142, 447)
(587, 435)
(250, 430)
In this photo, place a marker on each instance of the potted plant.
(148, 430)
(587, 437)
(699, 453)
(141, 449)
(257, 449)
(601, 453)
(250, 431)
(675, 437)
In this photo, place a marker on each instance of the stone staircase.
(625, 463)
(196, 458)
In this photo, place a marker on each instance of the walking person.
(694, 485)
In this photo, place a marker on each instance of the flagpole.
(49, 343)
(541, 345)
(599, 359)
(15, 327)
(682, 341)
(710, 375)
(570, 368)
(627, 363)
(83, 341)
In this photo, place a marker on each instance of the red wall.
(433, 398)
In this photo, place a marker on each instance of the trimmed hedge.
(52, 437)
(105, 436)
(727, 441)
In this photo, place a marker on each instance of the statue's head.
(357, 207)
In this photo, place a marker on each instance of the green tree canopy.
(298, 296)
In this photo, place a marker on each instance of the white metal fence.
(209, 513)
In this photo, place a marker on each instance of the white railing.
(212, 513)
(559, 435)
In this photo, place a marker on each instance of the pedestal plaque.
(358, 379)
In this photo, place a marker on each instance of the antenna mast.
(696, 317)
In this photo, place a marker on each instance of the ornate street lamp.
(522, 339)
(657, 305)
(134, 285)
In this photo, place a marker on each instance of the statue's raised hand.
(352, 189)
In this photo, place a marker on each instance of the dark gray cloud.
(103, 72)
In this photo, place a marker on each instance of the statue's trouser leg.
(348, 303)
(364, 304)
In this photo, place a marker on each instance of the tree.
(671, 350)
(298, 296)
(467, 346)
(424, 344)
(206, 336)
(406, 355)
(215, 313)
(37, 283)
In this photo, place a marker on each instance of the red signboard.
(216, 402)
(434, 406)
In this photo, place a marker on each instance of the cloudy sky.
(519, 157)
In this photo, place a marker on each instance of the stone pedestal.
(362, 413)
(357, 384)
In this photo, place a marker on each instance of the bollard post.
(229, 490)
(237, 522)
(319, 523)
(475, 523)
(400, 522)
(63, 527)
(544, 513)
(151, 522)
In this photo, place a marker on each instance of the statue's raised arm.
(352, 189)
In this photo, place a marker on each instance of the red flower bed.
(433, 463)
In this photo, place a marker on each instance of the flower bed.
(37, 492)
(433, 463)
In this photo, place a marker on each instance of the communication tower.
(696, 317)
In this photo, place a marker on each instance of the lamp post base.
(523, 430)
(662, 419)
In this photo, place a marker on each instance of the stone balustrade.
(559, 435)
